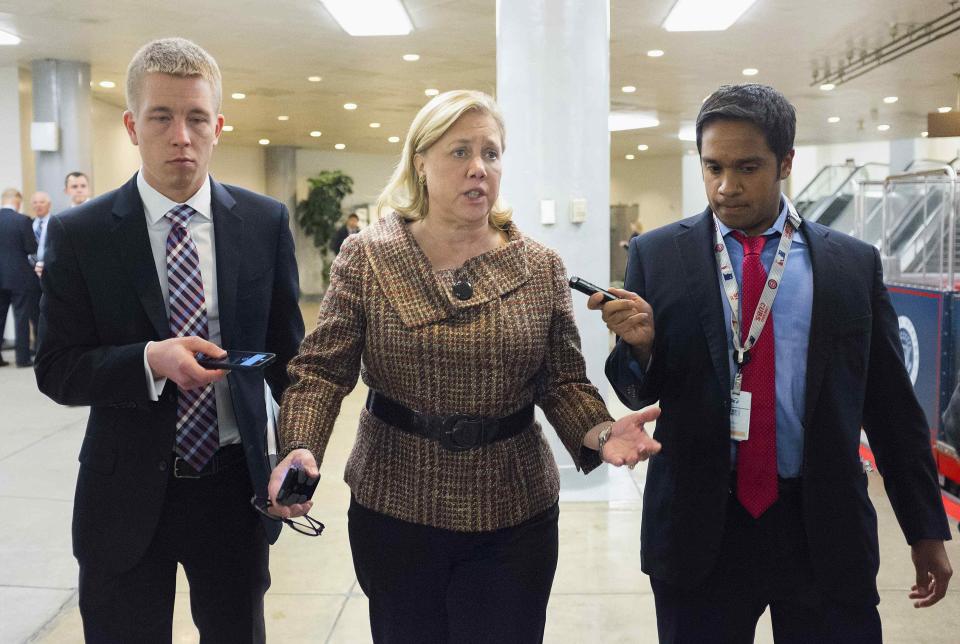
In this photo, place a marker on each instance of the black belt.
(225, 457)
(456, 432)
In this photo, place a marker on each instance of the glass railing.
(830, 199)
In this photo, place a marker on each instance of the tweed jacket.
(390, 317)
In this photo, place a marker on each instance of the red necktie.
(757, 456)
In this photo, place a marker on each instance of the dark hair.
(760, 105)
(354, 215)
(75, 173)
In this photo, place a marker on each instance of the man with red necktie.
(769, 342)
(136, 282)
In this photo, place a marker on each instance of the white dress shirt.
(200, 226)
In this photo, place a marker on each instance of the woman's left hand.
(629, 443)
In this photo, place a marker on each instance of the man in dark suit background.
(759, 498)
(350, 227)
(18, 284)
(136, 282)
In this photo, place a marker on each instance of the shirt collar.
(777, 226)
(155, 205)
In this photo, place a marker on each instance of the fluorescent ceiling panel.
(620, 121)
(370, 17)
(7, 38)
(705, 15)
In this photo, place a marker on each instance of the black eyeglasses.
(304, 525)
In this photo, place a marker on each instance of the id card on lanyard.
(740, 400)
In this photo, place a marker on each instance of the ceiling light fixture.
(628, 89)
(374, 125)
(411, 58)
(833, 119)
(264, 141)
(643, 147)
(431, 92)
(944, 110)
(314, 79)
(238, 96)
(340, 146)
(370, 17)
(890, 100)
(883, 128)
(107, 84)
(316, 133)
(924, 134)
(620, 121)
(393, 139)
(705, 15)
(228, 128)
(630, 157)
(827, 87)
(349, 106)
(750, 71)
(283, 117)
(7, 38)
(655, 53)
(687, 132)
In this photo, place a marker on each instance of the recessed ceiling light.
(944, 110)
(691, 152)
(107, 84)
(371, 17)
(283, 117)
(374, 125)
(628, 89)
(314, 79)
(411, 58)
(750, 71)
(655, 53)
(349, 106)
(630, 157)
(924, 134)
(620, 121)
(228, 128)
(883, 128)
(340, 146)
(239, 96)
(687, 132)
(431, 92)
(833, 119)
(393, 139)
(316, 133)
(7, 38)
(643, 147)
(264, 141)
(826, 87)
(705, 15)
(889, 100)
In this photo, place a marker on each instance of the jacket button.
(163, 466)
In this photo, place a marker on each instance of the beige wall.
(653, 183)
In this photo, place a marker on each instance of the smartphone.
(582, 285)
(297, 487)
(239, 360)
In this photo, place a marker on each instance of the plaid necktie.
(197, 436)
(757, 456)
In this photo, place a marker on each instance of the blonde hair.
(176, 57)
(404, 193)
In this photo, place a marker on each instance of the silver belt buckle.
(177, 461)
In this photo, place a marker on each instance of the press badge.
(740, 415)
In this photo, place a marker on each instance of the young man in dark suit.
(18, 284)
(136, 282)
(769, 343)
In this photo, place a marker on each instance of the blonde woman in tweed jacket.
(453, 311)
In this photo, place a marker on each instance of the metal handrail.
(936, 162)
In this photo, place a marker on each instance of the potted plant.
(319, 214)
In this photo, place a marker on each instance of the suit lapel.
(826, 262)
(228, 232)
(132, 244)
(694, 246)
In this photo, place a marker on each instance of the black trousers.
(428, 585)
(762, 562)
(209, 527)
(24, 303)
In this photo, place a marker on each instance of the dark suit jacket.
(855, 377)
(16, 242)
(102, 303)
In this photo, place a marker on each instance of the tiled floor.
(599, 595)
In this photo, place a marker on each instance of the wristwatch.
(603, 437)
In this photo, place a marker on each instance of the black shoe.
(4, 363)
(21, 365)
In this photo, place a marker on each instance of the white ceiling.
(268, 48)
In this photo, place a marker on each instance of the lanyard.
(765, 305)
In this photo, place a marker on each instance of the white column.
(694, 195)
(61, 95)
(553, 70)
(11, 168)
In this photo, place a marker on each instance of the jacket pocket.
(98, 454)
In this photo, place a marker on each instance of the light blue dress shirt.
(792, 310)
(40, 227)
